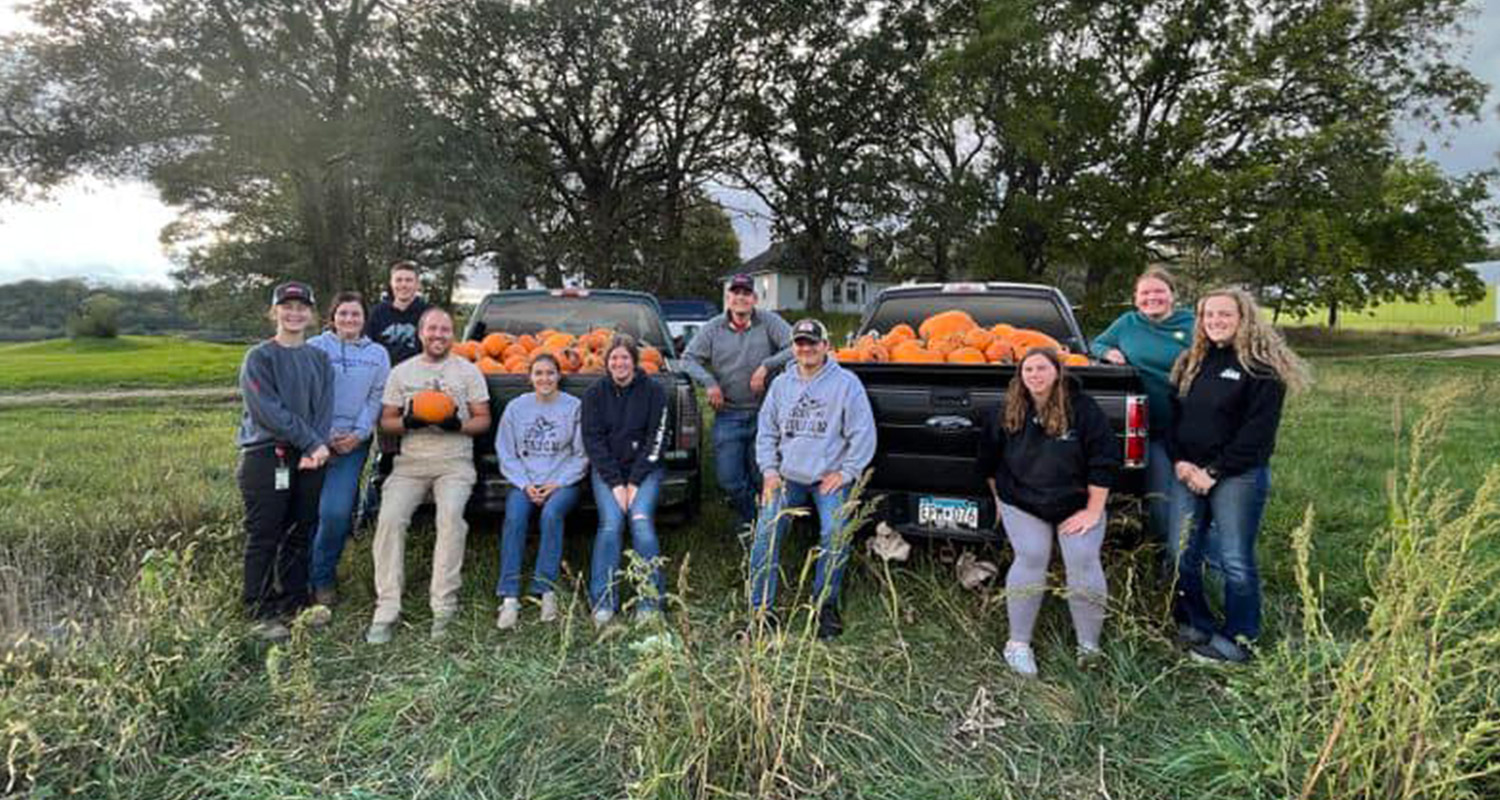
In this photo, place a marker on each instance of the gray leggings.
(1026, 582)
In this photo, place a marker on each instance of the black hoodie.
(395, 328)
(624, 428)
(1048, 476)
(1228, 420)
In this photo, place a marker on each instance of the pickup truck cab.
(929, 417)
(578, 311)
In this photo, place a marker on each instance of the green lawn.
(127, 361)
(1437, 312)
(163, 696)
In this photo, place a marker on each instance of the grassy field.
(1436, 313)
(126, 361)
(119, 544)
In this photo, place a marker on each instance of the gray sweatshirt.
(721, 356)
(810, 427)
(288, 395)
(540, 443)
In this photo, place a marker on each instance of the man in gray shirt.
(731, 357)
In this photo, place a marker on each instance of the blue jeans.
(1160, 476)
(518, 509)
(772, 526)
(336, 514)
(734, 460)
(1226, 522)
(608, 542)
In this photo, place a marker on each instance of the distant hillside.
(35, 309)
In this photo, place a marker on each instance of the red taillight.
(689, 421)
(1136, 425)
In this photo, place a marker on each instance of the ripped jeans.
(604, 572)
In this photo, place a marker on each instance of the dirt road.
(106, 395)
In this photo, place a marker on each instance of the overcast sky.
(108, 232)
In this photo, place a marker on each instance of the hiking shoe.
(440, 626)
(271, 630)
(1189, 636)
(830, 624)
(1219, 650)
(379, 632)
(316, 616)
(549, 607)
(326, 596)
(602, 617)
(1020, 658)
(510, 612)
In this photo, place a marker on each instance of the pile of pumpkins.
(504, 353)
(952, 337)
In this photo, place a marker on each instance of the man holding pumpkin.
(436, 403)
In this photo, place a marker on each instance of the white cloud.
(106, 232)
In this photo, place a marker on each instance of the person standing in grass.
(731, 357)
(1050, 459)
(1230, 387)
(283, 440)
(360, 367)
(393, 325)
(816, 436)
(540, 447)
(1150, 338)
(434, 458)
(624, 424)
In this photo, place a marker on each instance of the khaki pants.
(450, 481)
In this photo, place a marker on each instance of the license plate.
(948, 513)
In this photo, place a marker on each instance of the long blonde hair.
(1257, 345)
(1054, 411)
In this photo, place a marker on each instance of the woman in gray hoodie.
(360, 367)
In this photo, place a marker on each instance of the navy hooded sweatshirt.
(624, 428)
(1046, 476)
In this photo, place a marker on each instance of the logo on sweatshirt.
(808, 417)
(1230, 374)
(541, 439)
(1180, 335)
(400, 334)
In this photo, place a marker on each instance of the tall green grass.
(123, 362)
(1380, 612)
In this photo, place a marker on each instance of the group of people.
(1216, 381)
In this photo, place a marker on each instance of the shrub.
(97, 317)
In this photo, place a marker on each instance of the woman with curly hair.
(1230, 386)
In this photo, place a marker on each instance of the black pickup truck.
(578, 311)
(929, 417)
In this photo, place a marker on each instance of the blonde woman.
(1230, 386)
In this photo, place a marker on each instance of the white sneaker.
(602, 617)
(1089, 654)
(1020, 658)
(440, 623)
(549, 607)
(510, 611)
(379, 633)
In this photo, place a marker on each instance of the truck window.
(1035, 312)
(575, 315)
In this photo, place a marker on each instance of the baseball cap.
(292, 290)
(809, 328)
(742, 281)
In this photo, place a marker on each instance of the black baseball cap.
(809, 328)
(292, 290)
(742, 282)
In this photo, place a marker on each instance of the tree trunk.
(1333, 314)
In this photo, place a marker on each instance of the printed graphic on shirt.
(1230, 374)
(1067, 435)
(542, 439)
(400, 334)
(808, 418)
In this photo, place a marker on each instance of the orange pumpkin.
(517, 364)
(513, 351)
(897, 335)
(1025, 340)
(490, 366)
(1075, 360)
(966, 355)
(650, 355)
(878, 353)
(432, 406)
(946, 343)
(527, 342)
(867, 341)
(469, 350)
(650, 367)
(494, 345)
(1000, 352)
(1002, 330)
(945, 323)
(558, 341)
(915, 353)
(592, 363)
(979, 338)
(851, 355)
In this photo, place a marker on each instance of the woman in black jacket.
(624, 422)
(1230, 386)
(1050, 458)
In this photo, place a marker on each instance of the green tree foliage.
(97, 317)
(1133, 132)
